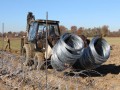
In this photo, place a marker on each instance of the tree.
(63, 29)
(22, 33)
(4, 34)
(119, 32)
(80, 31)
(104, 30)
(74, 29)
(10, 34)
(14, 34)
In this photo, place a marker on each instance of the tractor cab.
(37, 33)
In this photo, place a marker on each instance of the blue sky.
(82, 13)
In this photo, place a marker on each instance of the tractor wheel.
(39, 61)
(26, 52)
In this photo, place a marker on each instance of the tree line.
(13, 34)
(88, 32)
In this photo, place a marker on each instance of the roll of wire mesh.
(66, 51)
(94, 55)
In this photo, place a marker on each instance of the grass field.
(15, 42)
(112, 40)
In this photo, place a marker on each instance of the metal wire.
(21, 77)
(94, 55)
(69, 51)
(66, 51)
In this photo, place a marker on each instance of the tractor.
(43, 46)
(41, 36)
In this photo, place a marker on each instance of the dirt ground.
(13, 76)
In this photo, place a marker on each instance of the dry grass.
(113, 40)
(109, 81)
(15, 43)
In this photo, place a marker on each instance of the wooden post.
(8, 44)
(2, 36)
(22, 44)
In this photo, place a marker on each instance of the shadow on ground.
(106, 69)
(98, 72)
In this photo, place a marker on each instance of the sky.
(82, 13)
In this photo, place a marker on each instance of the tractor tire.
(27, 54)
(39, 61)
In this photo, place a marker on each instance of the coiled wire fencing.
(66, 51)
(69, 51)
(94, 55)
